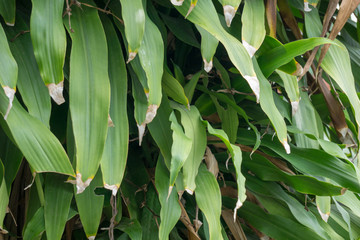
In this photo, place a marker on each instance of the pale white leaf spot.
(56, 92)
(211, 162)
(10, 93)
(253, 81)
(139, 16)
(306, 7)
(113, 188)
(208, 65)
(229, 13)
(177, 2)
(169, 192)
(250, 49)
(132, 55)
(151, 113)
(189, 191)
(294, 107)
(80, 185)
(141, 130)
(324, 216)
(286, 146)
(238, 205)
(110, 122)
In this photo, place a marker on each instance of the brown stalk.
(271, 16)
(289, 18)
(346, 8)
(235, 227)
(184, 218)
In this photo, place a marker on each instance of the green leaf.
(173, 88)
(236, 51)
(7, 11)
(49, 40)
(134, 20)
(236, 156)
(180, 149)
(8, 71)
(151, 55)
(40, 147)
(190, 86)
(253, 25)
(291, 88)
(208, 198)
(4, 201)
(116, 146)
(323, 204)
(130, 227)
(267, 171)
(88, 200)
(89, 91)
(58, 196)
(33, 91)
(209, 45)
(281, 55)
(170, 209)
(194, 130)
(274, 226)
(36, 226)
(268, 105)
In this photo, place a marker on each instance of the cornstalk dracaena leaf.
(236, 51)
(253, 28)
(236, 156)
(208, 198)
(134, 20)
(194, 130)
(7, 11)
(89, 91)
(292, 89)
(49, 41)
(8, 71)
(116, 147)
(208, 47)
(230, 7)
(170, 209)
(180, 149)
(30, 85)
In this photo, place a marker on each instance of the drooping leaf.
(116, 146)
(58, 196)
(173, 88)
(89, 90)
(209, 45)
(236, 156)
(208, 198)
(36, 226)
(134, 21)
(253, 25)
(90, 207)
(194, 130)
(49, 41)
(130, 227)
(236, 51)
(7, 11)
(8, 71)
(40, 147)
(170, 209)
(180, 149)
(33, 91)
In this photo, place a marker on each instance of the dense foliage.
(181, 119)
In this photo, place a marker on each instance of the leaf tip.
(190, 9)
(56, 92)
(177, 2)
(10, 94)
(238, 205)
(306, 6)
(294, 107)
(110, 122)
(229, 13)
(208, 65)
(169, 192)
(113, 188)
(141, 130)
(286, 146)
(254, 85)
(80, 185)
(189, 191)
(91, 238)
(132, 55)
(10, 24)
(250, 49)
(324, 216)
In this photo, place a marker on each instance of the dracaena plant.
(181, 119)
